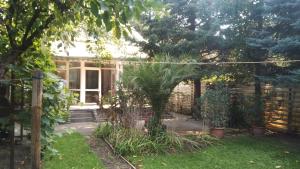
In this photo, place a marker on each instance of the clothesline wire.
(200, 63)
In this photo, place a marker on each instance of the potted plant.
(253, 109)
(215, 105)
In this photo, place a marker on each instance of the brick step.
(77, 116)
(82, 115)
(80, 120)
(81, 111)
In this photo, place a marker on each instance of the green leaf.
(59, 45)
(123, 19)
(94, 8)
(99, 21)
(125, 33)
(117, 29)
(106, 18)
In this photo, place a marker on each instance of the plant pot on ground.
(217, 132)
(258, 131)
(215, 107)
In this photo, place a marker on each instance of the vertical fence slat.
(37, 91)
(290, 109)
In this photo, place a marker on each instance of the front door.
(92, 86)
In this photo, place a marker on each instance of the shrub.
(156, 82)
(241, 111)
(135, 142)
(104, 130)
(215, 104)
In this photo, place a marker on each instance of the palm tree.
(156, 82)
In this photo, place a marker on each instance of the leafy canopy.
(25, 21)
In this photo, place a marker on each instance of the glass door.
(92, 86)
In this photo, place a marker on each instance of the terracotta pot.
(217, 132)
(258, 131)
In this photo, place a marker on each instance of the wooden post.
(12, 124)
(37, 92)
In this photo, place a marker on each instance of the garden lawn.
(233, 153)
(74, 153)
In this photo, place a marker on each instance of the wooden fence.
(281, 104)
(282, 108)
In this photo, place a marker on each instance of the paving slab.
(84, 128)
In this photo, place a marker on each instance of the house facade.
(83, 72)
(88, 79)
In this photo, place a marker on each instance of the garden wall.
(181, 99)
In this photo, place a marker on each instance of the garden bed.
(109, 159)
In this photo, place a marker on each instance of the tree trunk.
(196, 108)
(197, 89)
(197, 82)
(258, 97)
(11, 57)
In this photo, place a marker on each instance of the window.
(74, 64)
(113, 66)
(108, 82)
(74, 79)
(92, 97)
(90, 64)
(92, 79)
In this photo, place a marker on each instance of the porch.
(88, 79)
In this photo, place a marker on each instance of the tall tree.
(24, 22)
(188, 27)
(280, 33)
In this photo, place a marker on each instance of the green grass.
(233, 153)
(74, 153)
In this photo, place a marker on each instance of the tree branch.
(12, 55)
(34, 17)
(37, 33)
(27, 42)
(8, 24)
(61, 6)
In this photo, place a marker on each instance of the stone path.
(182, 123)
(84, 128)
